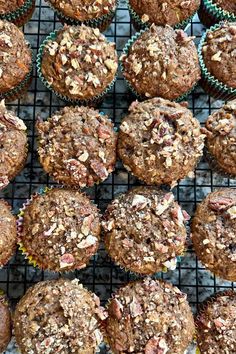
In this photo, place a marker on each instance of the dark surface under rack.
(102, 276)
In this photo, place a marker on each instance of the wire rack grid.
(102, 276)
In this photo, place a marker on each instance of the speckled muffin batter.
(227, 5)
(219, 53)
(80, 63)
(144, 230)
(213, 233)
(162, 62)
(7, 234)
(221, 137)
(77, 146)
(15, 57)
(10, 6)
(160, 141)
(60, 230)
(164, 12)
(58, 316)
(5, 323)
(13, 145)
(149, 316)
(216, 324)
(84, 10)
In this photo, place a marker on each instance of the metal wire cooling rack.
(102, 276)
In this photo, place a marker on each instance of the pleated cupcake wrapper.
(215, 165)
(215, 87)
(134, 92)
(100, 22)
(86, 102)
(217, 13)
(139, 24)
(20, 15)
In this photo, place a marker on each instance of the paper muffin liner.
(139, 24)
(210, 84)
(80, 102)
(101, 22)
(210, 13)
(133, 91)
(21, 15)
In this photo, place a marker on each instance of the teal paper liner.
(20, 15)
(135, 93)
(211, 13)
(139, 24)
(211, 85)
(100, 22)
(93, 101)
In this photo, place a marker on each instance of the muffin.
(160, 142)
(175, 13)
(217, 59)
(77, 146)
(149, 316)
(15, 62)
(13, 145)
(214, 11)
(220, 130)
(216, 324)
(5, 323)
(78, 64)
(8, 233)
(59, 230)
(93, 13)
(144, 230)
(213, 233)
(58, 316)
(160, 62)
(18, 11)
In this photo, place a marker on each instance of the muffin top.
(5, 323)
(10, 6)
(15, 56)
(58, 316)
(8, 233)
(160, 141)
(79, 63)
(149, 316)
(60, 229)
(221, 137)
(84, 10)
(213, 233)
(164, 12)
(77, 146)
(227, 5)
(162, 62)
(144, 230)
(216, 324)
(219, 51)
(13, 143)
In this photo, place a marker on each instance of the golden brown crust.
(77, 146)
(5, 324)
(60, 230)
(80, 63)
(227, 5)
(58, 316)
(160, 141)
(149, 316)
(10, 6)
(7, 234)
(144, 230)
(213, 233)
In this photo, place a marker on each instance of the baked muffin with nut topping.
(5, 323)
(13, 145)
(149, 316)
(144, 230)
(8, 233)
(216, 324)
(58, 316)
(160, 141)
(59, 230)
(161, 62)
(79, 63)
(213, 233)
(77, 146)
(220, 130)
